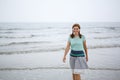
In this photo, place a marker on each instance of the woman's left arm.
(85, 48)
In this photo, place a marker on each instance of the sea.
(34, 51)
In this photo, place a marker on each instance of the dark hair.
(72, 35)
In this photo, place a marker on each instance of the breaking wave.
(51, 49)
(36, 68)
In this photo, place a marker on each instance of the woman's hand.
(87, 59)
(64, 59)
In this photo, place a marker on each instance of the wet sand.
(103, 65)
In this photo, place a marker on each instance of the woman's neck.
(76, 35)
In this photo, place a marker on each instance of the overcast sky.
(59, 10)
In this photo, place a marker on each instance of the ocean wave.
(96, 32)
(10, 29)
(23, 43)
(12, 37)
(8, 32)
(37, 68)
(27, 28)
(51, 49)
(107, 37)
(112, 28)
(104, 46)
(30, 51)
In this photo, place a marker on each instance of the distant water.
(19, 38)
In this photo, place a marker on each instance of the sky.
(59, 11)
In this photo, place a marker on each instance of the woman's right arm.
(66, 51)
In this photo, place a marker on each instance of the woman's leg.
(72, 65)
(76, 77)
(73, 76)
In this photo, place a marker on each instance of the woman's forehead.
(75, 27)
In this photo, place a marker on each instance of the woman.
(78, 54)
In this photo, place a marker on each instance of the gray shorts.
(78, 64)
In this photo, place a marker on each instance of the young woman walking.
(79, 54)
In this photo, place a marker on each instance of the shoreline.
(59, 74)
(103, 64)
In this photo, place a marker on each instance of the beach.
(32, 52)
(35, 67)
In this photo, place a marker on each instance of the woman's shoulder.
(83, 37)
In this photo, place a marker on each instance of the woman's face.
(76, 30)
